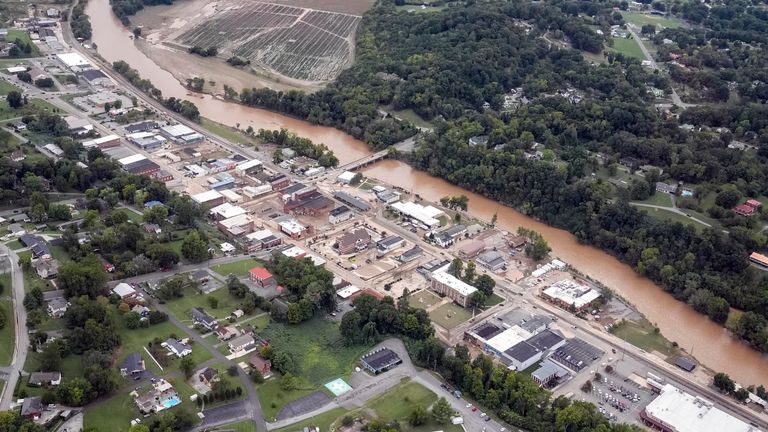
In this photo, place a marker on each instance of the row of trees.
(302, 146)
(181, 106)
(125, 8)
(79, 22)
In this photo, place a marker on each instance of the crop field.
(296, 42)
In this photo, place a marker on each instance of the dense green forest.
(457, 67)
(125, 8)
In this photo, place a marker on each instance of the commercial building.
(256, 191)
(548, 372)
(450, 235)
(388, 244)
(450, 286)
(236, 226)
(279, 181)
(208, 198)
(346, 177)
(380, 360)
(471, 249)
(144, 126)
(411, 254)
(95, 77)
(262, 277)
(340, 214)
(100, 99)
(311, 203)
(77, 125)
(103, 142)
(570, 295)
(505, 340)
(424, 215)
(492, 260)
(73, 61)
(353, 241)
(352, 201)
(249, 167)
(259, 240)
(677, 411)
(181, 134)
(293, 228)
(388, 197)
(231, 196)
(347, 292)
(139, 165)
(146, 140)
(521, 356)
(226, 211)
(54, 150)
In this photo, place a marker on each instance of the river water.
(710, 343)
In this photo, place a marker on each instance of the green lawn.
(273, 398)
(15, 245)
(6, 87)
(132, 215)
(7, 333)
(243, 426)
(671, 216)
(24, 37)
(423, 299)
(237, 268)
(628, 47)
(323, 421)
(226, 132)
(180, 307)
(71, 365)
(660, 199)
(409, 114)
(400, 401)
(639, 19)
(494, 300)
(136, 340)
(642, 335)
(450, 315)
(5, 283)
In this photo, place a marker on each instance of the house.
(36, 244)
(352, 241)
(242, 343)
(177, 348)
(46, 267)
(340, 214)
(759, 259)
(124, 290)
(209, 376)
(201, 277)
(133, 365)
(202, 318)
(16, 230)
(411, 254)
(152, 228)
(39, 379)
(264, 366)
(262, 277)
(666, 188)
(57, 307)
(18, 156)
(388, 244)
(448, 236)
(32, 408)
(492, 260)
(159, 397)
(142, 310)
(225, 333)
(745, 210)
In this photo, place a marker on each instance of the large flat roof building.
(380, 360)
(677, 411)
(570, 294)
(423, 214)
(452, 287)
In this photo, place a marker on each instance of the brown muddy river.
(711, 343)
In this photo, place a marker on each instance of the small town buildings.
(352, 201)
(423, 215)
(36, 244)
(450, 286)
(242, 343)
(203, 319)
(279, 181)
(547, 372)
(347, 292)
(54, 150)
(411, 254)
(294, 252)
(139, 165)
(45, 267)
(388, 197)
(77, 125)
(16, 230)
(471, 249)
(294, 229)
(450, 235)
(249, 167)
(521, 356)
(124, 291)
(56, 307)
(380, 360)
(95, 77)
(353, 241)
(146, 141)
(108, 141)
(340, 214)
(209, 198)
(159, 397)
(346, 177)
(262, 277)
(492, 260)
(32, 408)
(177, 348)
(312, 203)
(388, 244)
(181, 134)
(570, 295)
(209, 376)
(39, 379)
(237, 226)
(226, 211)
(232, 196)
(133, 365)
(262, 365)
(676, 410)
(685, 364)
(260, 240)
(143, 126)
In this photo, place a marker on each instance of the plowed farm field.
(300, 43)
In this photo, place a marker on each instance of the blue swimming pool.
(171, 402)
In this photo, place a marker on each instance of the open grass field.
(181, 307)
(243, 426)
(136, 340)
(6, 87)
(628, 47)
(640, 19)
(24, 37)
(400, 401)
(237, 268)
(226, 132)
(450, 315)
(660, 199)
(409, 114)
(7, 333)
(299, 43)
(273, 398)
(324, 421)
(493, 300)
(643, 335)
(6, 112)
(672, 217)
(71, 365)
(423, 299)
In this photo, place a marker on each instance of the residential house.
(666, 188)
(133, 365)
(18, 156)
(152, 228)
(57, 307)
(125, 291)
(16, 230)
(201, 277)
(142, 310)
(36, 244)
(160, 397)
(340, 214)
(749, 208)
(411, 254)
(352, 241)
(264, 366)
(225, 333)
(177, 348)
(242, 343)
(39, 379)
(32, 408)
(46, 267)
(209, 376)
(202, 318)
(262, 277)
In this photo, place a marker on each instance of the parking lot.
(617, 397)
(577, 354)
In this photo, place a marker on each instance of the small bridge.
(403, 146)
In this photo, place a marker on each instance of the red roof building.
(754, 203)
(262, 277)
(744, 210)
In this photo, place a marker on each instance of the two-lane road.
(22, 334)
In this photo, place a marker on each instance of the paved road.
(22, 334)
(670, 209)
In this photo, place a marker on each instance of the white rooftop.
(259, 235)
(178, 130)
(231, 195)
(292, 226)
(346, 176)
(236, 221)
(131, 159)
(72, 59)
(245, 166)
(16, 69)
(140, 135)
(685, 412)
(347, 291)
(294, 252)
(123, 289)
(204, 197)
(456, 284)
(508, 338)
(228, 210)
(227, 247)
(101, 140)
(424, 214)
(572, 293)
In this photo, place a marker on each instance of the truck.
(457, 420)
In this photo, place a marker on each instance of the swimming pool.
(171, 402)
